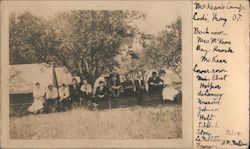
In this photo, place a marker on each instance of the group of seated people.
(113, 87)
(106, 88)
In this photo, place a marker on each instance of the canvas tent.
(24, 77)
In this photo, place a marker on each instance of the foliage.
(86, 42)
(164, 49)
(25, 38)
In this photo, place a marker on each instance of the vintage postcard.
(123, 74)
(99, 74)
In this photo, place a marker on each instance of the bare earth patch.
(158, 122)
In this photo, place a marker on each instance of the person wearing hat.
(64, 97)
(103, 77)
(169, 92)
(101, 95)
(155, 84)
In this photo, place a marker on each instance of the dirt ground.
(158, 122)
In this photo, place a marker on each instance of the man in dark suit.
(101, 95)
(75, 92)
(101, 92)
(115, 86)
(155, 84)
(140, 88)
(129, 88)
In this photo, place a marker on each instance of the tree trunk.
(87, 66)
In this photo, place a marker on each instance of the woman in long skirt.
(38, 95)
(169, 92)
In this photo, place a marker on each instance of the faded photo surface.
(124, 74)
(94, 74)
(98, 71)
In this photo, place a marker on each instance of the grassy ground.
(158, 122)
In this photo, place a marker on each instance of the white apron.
(38, 100)
(168, 92)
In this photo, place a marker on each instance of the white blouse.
(38, 92)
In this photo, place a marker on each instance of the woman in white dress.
(38, 95)
(169, 92)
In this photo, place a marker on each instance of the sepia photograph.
(98, 69)
(124, 74)
(97, 72)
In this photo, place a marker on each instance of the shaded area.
(19, 103)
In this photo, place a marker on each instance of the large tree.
(164, 49)
(86, 42)
(26, 33)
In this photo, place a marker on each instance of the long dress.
(169, 92)
(38, 94)
(97, 83)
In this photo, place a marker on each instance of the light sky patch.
(158, 14)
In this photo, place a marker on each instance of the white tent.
(24, 77)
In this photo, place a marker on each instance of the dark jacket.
(154, 88)
(103, 91)
(74, 92)
(129, 85)
(139, 84)
(113, 83)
